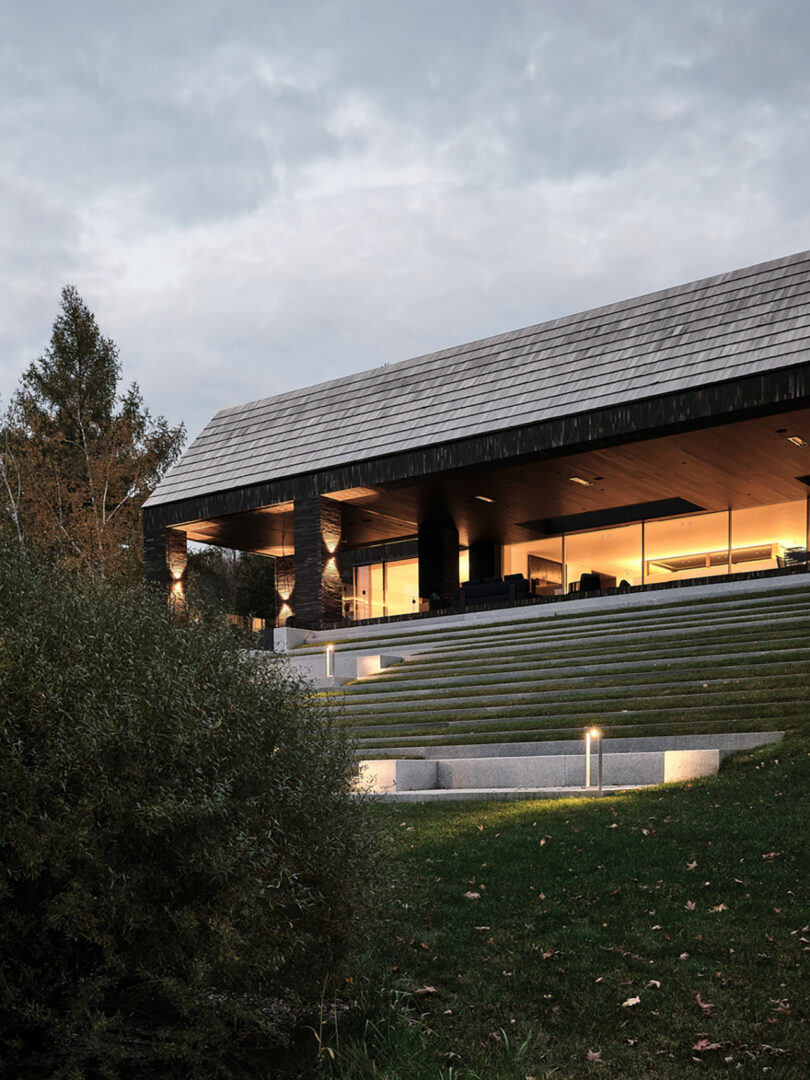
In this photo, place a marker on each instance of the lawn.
(663, 932)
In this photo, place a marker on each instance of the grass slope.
(663, 932)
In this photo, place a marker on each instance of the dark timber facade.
(661, 439)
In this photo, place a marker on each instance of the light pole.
(330, 661)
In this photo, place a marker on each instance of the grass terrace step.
(737, 662)
(735, 603)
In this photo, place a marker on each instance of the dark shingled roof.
(725, 327)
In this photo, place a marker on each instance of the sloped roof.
(724, 327)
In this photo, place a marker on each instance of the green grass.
(584, 905)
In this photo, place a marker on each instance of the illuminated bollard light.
(590, 735)
(330, 661)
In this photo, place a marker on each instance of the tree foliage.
(79, 458)
(235, 582)
(182, 859)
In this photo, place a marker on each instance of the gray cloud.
(254, 196)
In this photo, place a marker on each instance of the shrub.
(182, 862)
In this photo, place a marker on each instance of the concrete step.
(729, 665)
(725, 742)
(554, 630)
(761, 595)
(705, 686)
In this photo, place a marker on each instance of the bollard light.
(330, 661)
(590, 735)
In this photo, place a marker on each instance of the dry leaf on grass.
(595, 1055)
(472, 895)
(704, 1044)
(631, 1001)
(425, 990)
(706, 1006)
(690, 905)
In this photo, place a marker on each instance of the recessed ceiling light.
(797, 440)
(579, 480)
(485, 498)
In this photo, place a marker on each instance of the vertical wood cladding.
(318, 587)
(486, 560)
(438, 560)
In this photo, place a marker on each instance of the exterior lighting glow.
(797, 440)
(581, 481)
(485, 498)
(330, 661)
(593, 734)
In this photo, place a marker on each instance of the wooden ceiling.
(749, 463)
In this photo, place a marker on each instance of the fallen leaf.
(483, 928)
(691, 866)
(425, 990)
(689, 905)
(631, 1001)
(472, 895)
(704, 1044)
(595, 1055)
(720, 907)
(706, 1006)
(653, 984)
(684, 956)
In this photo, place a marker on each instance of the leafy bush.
(182, 862)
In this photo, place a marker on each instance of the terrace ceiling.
(748, 463)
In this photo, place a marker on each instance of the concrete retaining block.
(397, 775)
(688, 764)
(552, 771)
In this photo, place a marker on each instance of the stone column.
(318, 587)
(438, 561)
(486, 560)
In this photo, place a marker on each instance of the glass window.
(686, 547)
(764, 537)
(402, 587)
(614, 555)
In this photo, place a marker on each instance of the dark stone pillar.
(438, 561)
(166, 561)
(486, 560)
(318, 588)
(285, 589)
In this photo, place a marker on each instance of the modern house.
(640, 445)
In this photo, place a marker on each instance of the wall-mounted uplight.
(485, 498)
(330, 661)
(581, 481)
(797, 440)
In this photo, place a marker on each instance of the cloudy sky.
(254, 196)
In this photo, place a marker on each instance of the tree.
(78, 457)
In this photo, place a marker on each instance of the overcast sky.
(256, 196)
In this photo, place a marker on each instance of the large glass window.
(764, 537)
(686, 547)
(612, 555)
(390, 588)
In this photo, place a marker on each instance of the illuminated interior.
(672, 549)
